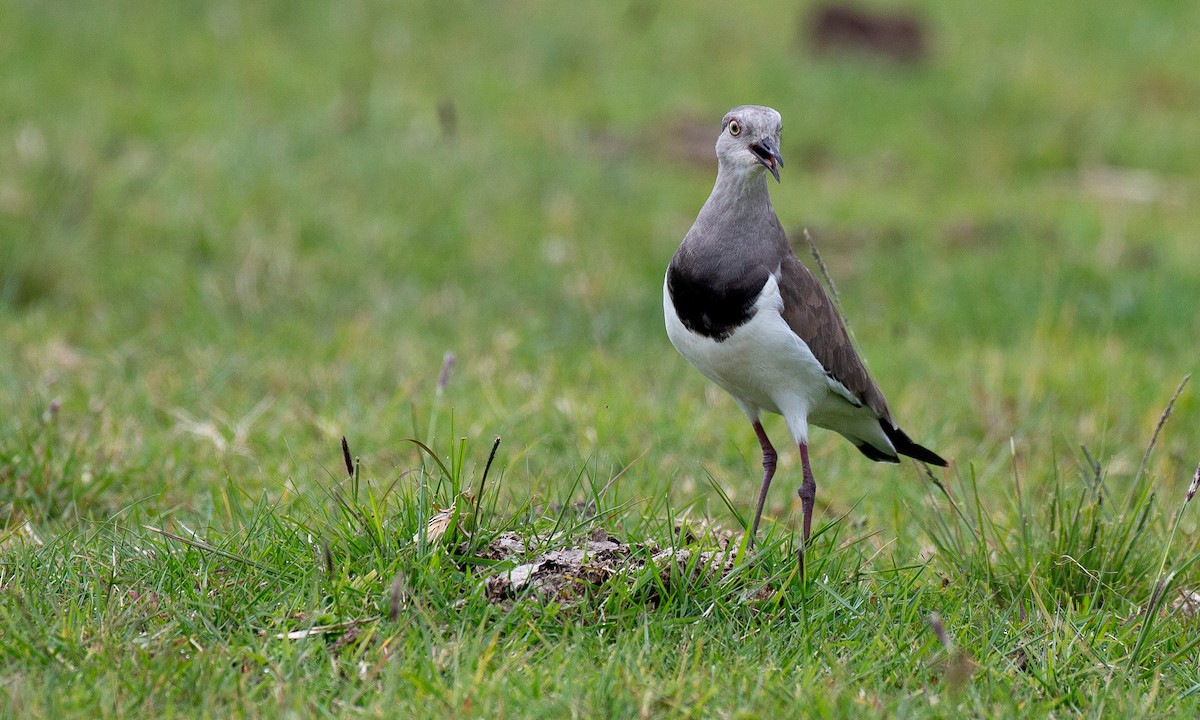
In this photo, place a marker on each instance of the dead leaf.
(1187, 604)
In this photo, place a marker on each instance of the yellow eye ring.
(735, 128)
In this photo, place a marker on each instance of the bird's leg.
(768, 459)
(808, 491)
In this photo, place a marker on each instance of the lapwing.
(743, 309)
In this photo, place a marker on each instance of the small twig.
(347, 458)
(1158, 591)
(959, 665)
(396, 597)
(837, 299)
(201, 545)
(1162, 582)
(319, 630)
(1096, 468)
(621, 472)
(946, 492)
(1162, 420)
(483, 479)
(439, 390)
(939, 630)
(444, 376)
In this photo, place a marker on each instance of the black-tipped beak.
(768, 155)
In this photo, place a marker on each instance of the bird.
(749, 315)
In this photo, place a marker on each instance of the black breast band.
(714, 307)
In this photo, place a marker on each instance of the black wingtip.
(905, 446)
(874, 453)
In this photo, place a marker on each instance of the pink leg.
(808, 491)
(769, 457)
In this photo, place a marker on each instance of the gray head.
(749, 140)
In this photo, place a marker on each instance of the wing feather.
(810, 314)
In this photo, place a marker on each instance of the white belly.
(763, 364)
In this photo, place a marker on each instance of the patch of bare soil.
(843, 28)
(583, 565)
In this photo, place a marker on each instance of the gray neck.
(741, 189)
(737, 216)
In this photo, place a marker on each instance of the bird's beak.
(768, 154)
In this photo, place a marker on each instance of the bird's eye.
(735, 128)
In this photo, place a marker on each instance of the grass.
(230, 236)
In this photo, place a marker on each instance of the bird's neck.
(738, 192)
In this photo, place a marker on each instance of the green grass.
(231, 234)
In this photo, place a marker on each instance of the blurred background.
(231, 233)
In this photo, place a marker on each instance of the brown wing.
(810, 314)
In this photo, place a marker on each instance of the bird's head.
(750, 140)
